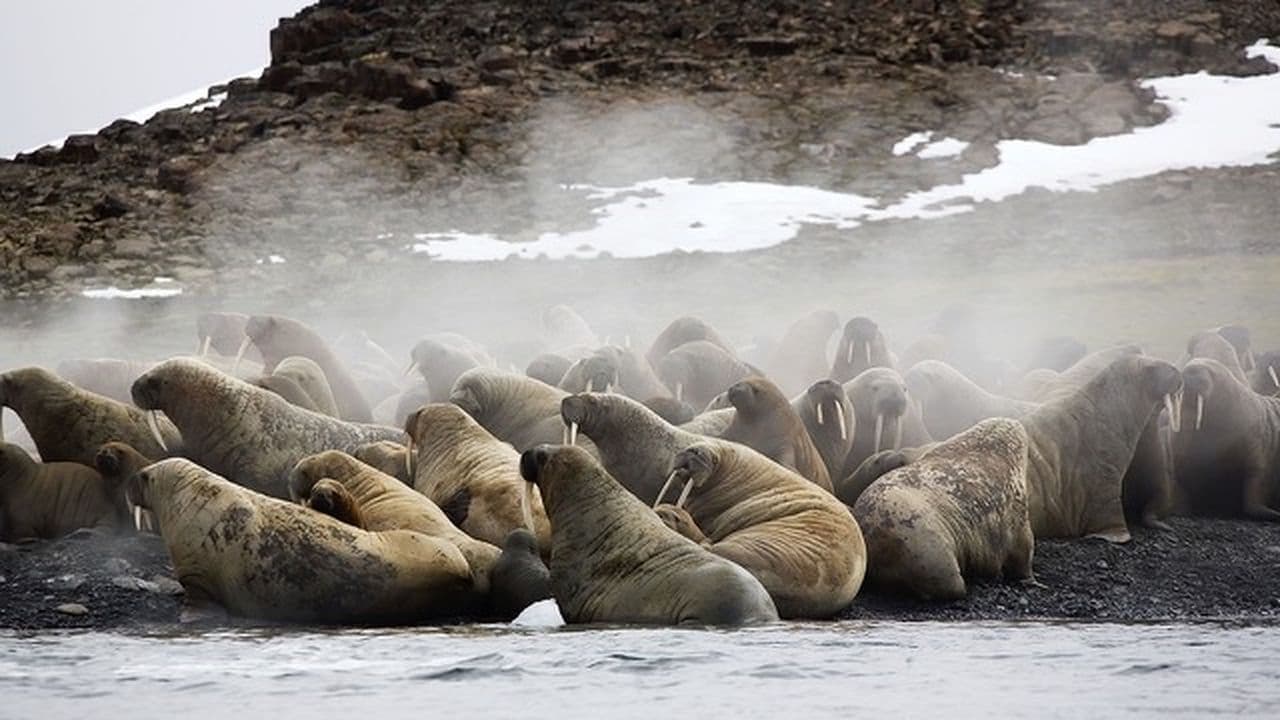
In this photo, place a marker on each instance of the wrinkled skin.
(49, 500)
(278, 337)
(671, 410)
(308, 376)
(951, 403)
(1230, 465)
(698, 371)
(958, 512)
(391, 458)
(513, 408)
(68, 424)
(241, 431)
(260, 557)
(765, 421)
(548, 368)
(862, 347)
(849, 488)
(613, 560)
(801, 357)
(881, 393)
(796, 539)
(711, 423)
(832, 438)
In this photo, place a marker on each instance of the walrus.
(613, 560)
(49, 500)
(765, 421)
(698, 371)
(308, 375)
(1036, 384)
(862, 346)
(951, 403)
(278, 337)
(441, 364)
(828, 417)
(266, 558)
(1266, 374)
(472, 475)
(513, 408)
(1056, 353)
(1227, 453)
(116, 462)
(388, 457)
(1209, 344)
(798, 540)
(1083, 442)
(565, 328)
(636, 377)
(884, 415)
(519, 578)
(635, 446)
(224, 333)
(1239, 337)
(69, 424)
(850, 487)
(711, 423)
(958, 512)
(290, 390)
(548, 368)
(671, 410)
(595, 373)
(240, 431)
(331, 498)
(801, 356)
(384, 503)
(395, 409)
(107, 377)
(683, 330)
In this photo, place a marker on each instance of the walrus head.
(329, 497)
(549, 368)
(118, 461)
(691, 468)
(312, 469)
(597, 373)
(881, 395)
(276, 338)
(1238, 336)
(14, 461)
(1200, 379)
(671, 410)
(860, 335)
(755, 396)
(1268, 367)
(221, 331)
(520, 540)
(828, 401)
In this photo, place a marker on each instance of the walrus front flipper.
(678, 519)
(1118, 536)
(1255, 493)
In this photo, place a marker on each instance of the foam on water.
(114, 293)
(1214, 122)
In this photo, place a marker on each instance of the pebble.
(1102, 565)
(72, 609)
(166, 585)
(65, 582)
(116, 566)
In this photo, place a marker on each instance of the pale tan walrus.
(765, 421)
(798, 540)
(958, 512)
(49, 500)
(261, 557)
(613, 560)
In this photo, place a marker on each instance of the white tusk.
(1271, 370)
(1171, 406)
(526, 506)
(153, 424)
(1199, 410)
(564, 435)
(665, 487)
(137, 518)
(408, 460)
(897, 432)
(573, 433)
(684, 494)
(679, 392)
(820, 419)
(879, 432)
(844, 431)
(591, 385)
(850, 358)
(204, 346)
(244, 345)
(608, 388)
(867, 351)
(413, 365)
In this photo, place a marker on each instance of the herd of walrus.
(293, 479)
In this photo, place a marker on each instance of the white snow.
(542, 614)
(115, 293)
(1214, 122)
(270, 260)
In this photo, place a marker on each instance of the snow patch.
(114, 293)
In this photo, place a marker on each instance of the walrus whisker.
(1271, 370)
(879, 431)
(665, 487)
(1199, 410)
(684, 494)
(844, 431)
(204, 345)
(153, 424)
(244, 345)
(821, 421)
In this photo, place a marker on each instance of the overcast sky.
(71, 66)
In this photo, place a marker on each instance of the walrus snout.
(573, 409)
(108, 461)
(145, 392)
(1163, 379)
(532, 462)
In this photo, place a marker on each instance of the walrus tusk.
(1271, 370)
(897, 433)
(408, 460)
(244, 345)
(820, 419)
(153, 425)
(573, 433)
(679, 392)
(665, 487)
(204, 346)
(608, 388)
(844, 431)
(879, 431)
(684, 494)
(591, 385)
(409, 370)
(867, 352)
(1172, 405)
(1199, 410)
(849, 359)
(137, 518)
(526, 506)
